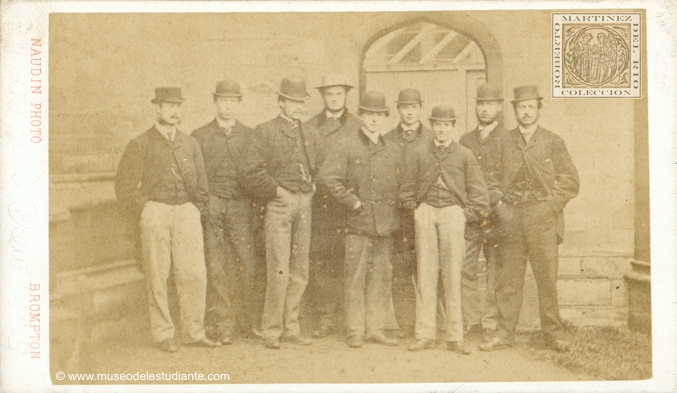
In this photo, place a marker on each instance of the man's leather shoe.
(421, 344)
(168, 345)
(493, 344)
(272, 343)
(355, 341)
(487, 334)
(205, 343)
(383, 340)
(561, 345)
(323, 331)
(458, 347)
(296, 339)
(224, 336)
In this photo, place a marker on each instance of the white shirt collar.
(373, 136)
(486, 130)
(165, 130)
(336, 115)
(528, 132)
(438, 143)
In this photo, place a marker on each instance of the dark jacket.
(359, 170)
(396, 136)
(225, 157)
(483, 150)
(459, 170)
(547, 157)
(268, 158)
(324, 206)
(142, 164)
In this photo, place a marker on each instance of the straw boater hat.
(334, 80)
(168, 94)
(293, 89)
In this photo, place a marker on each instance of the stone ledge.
(97, 277)
(611, 267)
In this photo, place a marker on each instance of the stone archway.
(385, 23)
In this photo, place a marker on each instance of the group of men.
(246, 219)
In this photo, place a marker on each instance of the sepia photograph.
(366, 197)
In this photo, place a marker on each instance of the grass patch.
(607, 353)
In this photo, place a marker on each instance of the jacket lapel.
(534, 138)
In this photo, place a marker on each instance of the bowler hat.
(334, 80)
(167, 94)
(294, 89)
(409, 96)
(442, 113)
(373, 101)
(228, 88)
(488, 92)
(528, 92)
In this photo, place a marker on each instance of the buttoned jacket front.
(483, 149)
(458, 169)
(360, 170)
(143, 161)
(270, 155)
(422, 135)
(225, 157)
(547, 158)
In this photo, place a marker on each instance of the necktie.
(332, 120)
(225, 131)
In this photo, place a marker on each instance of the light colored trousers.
(440, 248)
(368, 281)
(287, 230)
(171, 240)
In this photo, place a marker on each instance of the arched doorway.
(445, 55)
(444, 65)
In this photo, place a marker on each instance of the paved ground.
(326, 361)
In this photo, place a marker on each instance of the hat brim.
(338, 84)
(488, 99)
(432, 119)
(527, 98)
(375, 110)
(229, 95)
(301, 99)
(409, 102)
(170, 100)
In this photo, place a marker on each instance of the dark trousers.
(368, 283)
(404, 266)
(236, 275)
(528, 231)
(478, 278)
(327, 253)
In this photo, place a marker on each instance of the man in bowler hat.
(535, 178)
(363, 175)
(235, 274)
(479, 307)
(161, 180)
(443, 184)
(281, 171)
(333, 124)
(409, 131)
